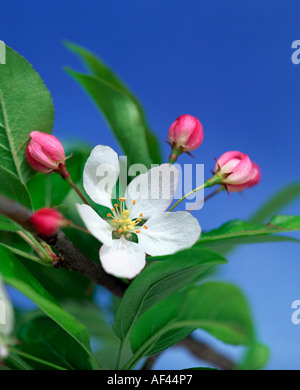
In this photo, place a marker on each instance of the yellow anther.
(145, 227)
(141, 215)
(125, 228)
(128, 220)
(120, 231)
(132, 223)
(121, 220)
(138, 231)
(129, 227)
(133, 202)
(109, 215)
(126, 212)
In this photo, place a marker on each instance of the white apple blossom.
(140, 212)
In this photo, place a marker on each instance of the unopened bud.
(47, 221)
(46, 154)
(236, 171)
(185, 135)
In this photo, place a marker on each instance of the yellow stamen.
(126, 212)
(130, 227)
(125, 228)
(121, 220)
(132, 223)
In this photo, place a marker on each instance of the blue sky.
(226, 62)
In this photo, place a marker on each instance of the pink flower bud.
(45, 153)
(186, 133)
(47, 221)
(237, 171)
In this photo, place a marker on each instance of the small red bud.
(47, 221)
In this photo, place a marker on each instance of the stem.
(73, 185)
(209, 183)
(26, 255)
(35, 246)
(215, 192)
(174, 155)
(73, 225)
(41, 361)
(119, 355)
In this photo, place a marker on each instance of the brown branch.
(70, 256)
(77, 261)
(201, 351)
(149, 362)
(205, 352)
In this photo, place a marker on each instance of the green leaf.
(216, 307)
(256, 358)
(120, 108)
(15, 363)
(36, 360)
(158, 280)
(61, 285)
(44, 339)
(288, 222)
(238, 232)
(12, 188)
(24, 254)
(105, 342)
(25, 105)
(16, 275)
(284, 197)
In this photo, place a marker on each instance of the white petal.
(124, 259)
(100, 174)
(95, 224)
(169, 232)
(6, 312)
(152, 191)
(4, 352)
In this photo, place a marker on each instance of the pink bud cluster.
(234, 170)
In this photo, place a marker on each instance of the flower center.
(121, 221)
